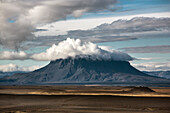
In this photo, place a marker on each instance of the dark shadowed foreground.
(83, 99)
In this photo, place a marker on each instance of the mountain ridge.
(162, 74)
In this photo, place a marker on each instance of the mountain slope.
(83, 70)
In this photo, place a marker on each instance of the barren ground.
(83, 99)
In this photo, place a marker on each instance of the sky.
(34, 32)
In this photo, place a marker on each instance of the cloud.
(61, 27)
(15, 27)
(152, 66)
(18, 18)
(39, 30)
(14, 67)
(69, 48)
(49, 40)
(149, 58)
(76, 47)
(137, 24)
(148, 49)
(123, 29)
(13, 55)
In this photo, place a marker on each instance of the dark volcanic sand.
(35, 99)
(82, 104)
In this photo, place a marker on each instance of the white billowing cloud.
(14, 67)
(68, 48)
(76, 47)
(18, 18)
(152, 66)
(13, 55)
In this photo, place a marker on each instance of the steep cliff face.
(83, 70)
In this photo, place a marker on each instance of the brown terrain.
(84, 99)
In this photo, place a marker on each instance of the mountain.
(3, 74)
(163, 74)
(83, 70)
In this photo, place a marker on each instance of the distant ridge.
(141, 90)
(163, 74)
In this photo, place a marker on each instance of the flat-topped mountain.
(82, 70)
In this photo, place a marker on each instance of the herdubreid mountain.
(82, 70)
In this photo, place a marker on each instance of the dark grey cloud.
(148, 49)
(36, 30)
(41, 41)
(19, 18)
(110, 34)
(138, 24)
(109, 38)
(124, 29)
(49, 40)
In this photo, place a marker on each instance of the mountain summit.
(83, 70)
